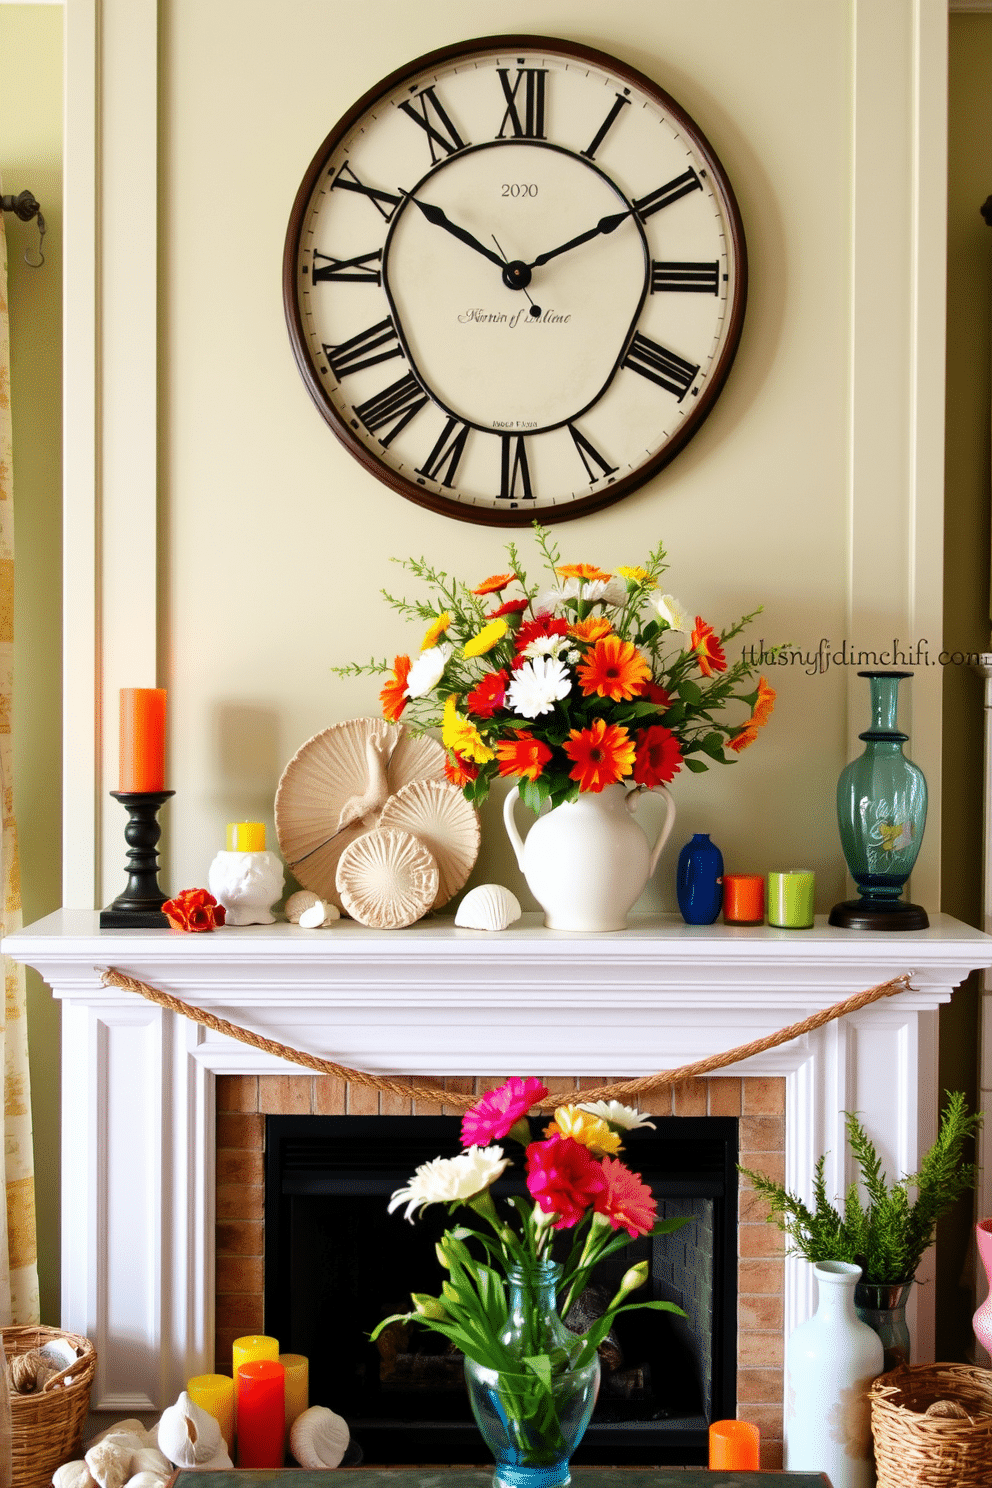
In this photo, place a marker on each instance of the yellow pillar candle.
(246, 836)
(246, 1350)
(215, 1394)
(297, 1385)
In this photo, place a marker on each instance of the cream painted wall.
(277, 543)
(31, 159)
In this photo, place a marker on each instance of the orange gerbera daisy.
(603, 754)
(393, 695)
(709, 652)
(593, 629)
(484, 700)
(615, 669)
(763, 705)
(495, 584)
(580, 571)
(522, 755)
(658, 756)
(460, 771)
(744, 739)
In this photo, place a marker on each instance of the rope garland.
(424, 1090)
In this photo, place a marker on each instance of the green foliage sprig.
(885, 1232)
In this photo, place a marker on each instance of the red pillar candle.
(743, 898)
(261, 1413)
(734, 1445)
(142, 753)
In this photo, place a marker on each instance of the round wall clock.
(515, 278)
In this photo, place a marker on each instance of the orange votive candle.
(215, 1394)
(261, 1413)
(246, 836)
(734, 1444)
(743, 898)
(297, 1369)
(142, 751)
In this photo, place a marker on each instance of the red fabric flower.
(563, 1179)
(194, 909)
(652, 693)
(492, 1116)
(459, 770)
(625, 1199)
(709, 653)
(485, 699)
(658, 757)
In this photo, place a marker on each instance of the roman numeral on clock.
(514, 472)
(589, 455)
(531, 126)
(361, 270)
(377, 344)
(590, 151)
(672, 191)
(384, 202)
(427, 111)
(395, 406)
(685, 278)
(652, 361)
(442, 462)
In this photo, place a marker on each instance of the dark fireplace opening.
(336, 1263)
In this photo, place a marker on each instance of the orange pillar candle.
(297, 1370)
(142, 750)
(734, 1445)
(261, 1413)
(215, 1394)
(246, 836)
(743, 898)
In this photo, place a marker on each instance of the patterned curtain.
(18, 1242)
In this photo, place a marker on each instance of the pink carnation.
(626, 1200)
(491, 1118)
(563, 1179)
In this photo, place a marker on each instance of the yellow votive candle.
(215, 1394)
(297, 1385)
(246, 837)
(246, 1350)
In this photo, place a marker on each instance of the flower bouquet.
(532, 1381)
(586, 680)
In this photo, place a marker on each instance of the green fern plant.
(885, 1232)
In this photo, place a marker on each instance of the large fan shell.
(387, 879)
(438, 814)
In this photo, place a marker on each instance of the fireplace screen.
(336, 1263)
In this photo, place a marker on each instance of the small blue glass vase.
(699, 880)
(881, 813)
(532, 1425)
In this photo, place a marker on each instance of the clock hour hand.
(437, 217)
(604, 225)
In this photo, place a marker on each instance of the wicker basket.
(47, 1428)
(914, 1450)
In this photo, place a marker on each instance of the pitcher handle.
(516, 841)
(666, 826)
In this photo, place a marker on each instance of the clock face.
(514, 280)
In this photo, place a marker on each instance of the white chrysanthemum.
(446, 1179)
(546, 646)
(427, 670)
(537, 686)
(605, 591)
(552, 601)
(671, 611)
(615, 1114)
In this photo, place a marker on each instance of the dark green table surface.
(466, 1477)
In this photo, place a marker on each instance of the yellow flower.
(461, 736)
(486, 639)
(572, 1121)
(634, 575)
(436, 631)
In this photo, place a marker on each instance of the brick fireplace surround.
(243, 1102)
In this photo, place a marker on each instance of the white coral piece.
(73, 1475)
(110, 1462)
(318, 1438)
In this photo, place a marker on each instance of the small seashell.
(488, 907)
(318, 1438)
(187, 1434)
(318, 915)
(110, 1462)
(150, 1459)
(73, 1475)
(387, 879)
(131, 1427)
(148, 1479)
(295, 905)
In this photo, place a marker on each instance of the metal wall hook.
(25, 206)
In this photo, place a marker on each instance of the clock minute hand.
(604, 225)
(436, 216)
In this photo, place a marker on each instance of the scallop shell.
(437, 813)
(299, 903)
(318, 1438)
(488, 907)
(334, 789)
(387, 879)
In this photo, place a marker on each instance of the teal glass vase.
(533, 1419)
(881, 812)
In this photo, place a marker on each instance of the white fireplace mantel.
(138, 1081)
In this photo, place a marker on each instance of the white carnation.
(545, 646)
(671, 612)
(537, 686)
(605, 591)
(444, 1180)
(615, 1114)
(551, 601)
(427, 670)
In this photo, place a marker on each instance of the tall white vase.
(830, 1362)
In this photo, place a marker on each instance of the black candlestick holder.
(140, 905)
